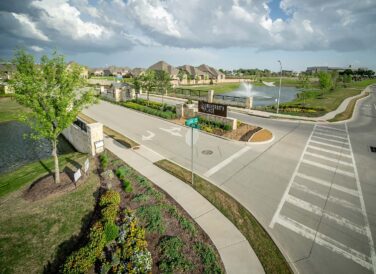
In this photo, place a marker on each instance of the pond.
(264, 95)
(15, 150)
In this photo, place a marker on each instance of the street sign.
(211, 108)
(77, 175)
(191, 122)
(188, 137)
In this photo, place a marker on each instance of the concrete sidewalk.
(236, 253)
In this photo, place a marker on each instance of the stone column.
(95, 131)
(249, 102)
(117, 94)
(133, 93)
(180, 110)
(210, 96)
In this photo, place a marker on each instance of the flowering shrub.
(110, 197)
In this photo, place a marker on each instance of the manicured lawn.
(218, 88)
(266, 250)
(26, 174)
(349, 110)
(10, 109)
(33, 233)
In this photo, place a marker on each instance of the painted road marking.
(174, 131)
(331, 128)
(148, 137)
(328, 184)
(329, 145)
(225, 162)
(332, 199)
(329, 215)
(328, 158)
(319, 238)
(329, 151)
(368, 230)
(330, 135)
(330, 140)
(334, 169)
(325, 241)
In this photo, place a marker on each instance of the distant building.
(136, 72)
(191, 72)
(313, 70)
(84, 71)
(162, 65)
(6, 70)
(212, 73)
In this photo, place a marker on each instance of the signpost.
(192, 123)
(211, 108)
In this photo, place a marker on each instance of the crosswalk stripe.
(331, 128)
(332, 199)
(329, 151)
(328, 158)
(324, 133)
(329, 145)
(325, 241)
(328, 184)
(334, 169)
(330, 140)
(329, 215)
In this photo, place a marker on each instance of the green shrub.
(153, 217)
(142, 181)
(141, 197)
(127, 186)
(167, 114)
(104, 160)
(109, 213)
(172, 259)
(111, 232)
(159, 196)
(208, 258)
(110, 197)
(121, 171)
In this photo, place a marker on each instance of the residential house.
(171, 70)
(212, 73)
(6, 70)
(84, 71)
(191, 74)
(136, 72)
(97, 72)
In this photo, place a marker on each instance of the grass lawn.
(33, 233)
(266, 250)
(10, 109)
(28, 173)
(347, 114)
(218, 88)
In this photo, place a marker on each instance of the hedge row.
(149, 110)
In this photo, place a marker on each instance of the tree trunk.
(56, 160)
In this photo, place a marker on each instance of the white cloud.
(36, 48)
(28, 28)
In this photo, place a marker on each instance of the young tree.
(162, 82)
(137, 85)
(50, 90)
(148, 82)
(325, 80)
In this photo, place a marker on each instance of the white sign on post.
(86, 165)
(188, 137)
(77, 175)
(99, 144)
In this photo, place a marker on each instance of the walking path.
(236, 253)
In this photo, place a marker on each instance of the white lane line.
(332, 199)
(286, 193)
(328, 184)
(374, 105)
(329, 151)
(334, 169)
(330, 140)
(329, 145)
(367, 226)
(325, 241)
(225, 162)
(331, 128)
(328, 159)
(329, 215)
(329, 135)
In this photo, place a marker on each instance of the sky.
(226, 34)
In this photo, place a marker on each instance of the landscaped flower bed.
(157, 109)
(140, 229)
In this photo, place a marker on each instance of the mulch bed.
(46, 187)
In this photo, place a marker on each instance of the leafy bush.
(141, 197)
(110, 197)
(127, 186)
(103, 158)
(206, 124)
(153, 217)
(208, 258)
(172, 259)
(142, 181)
(111, 232)
(121, 171)
(159, 196)
(167, 114)
(109, 213)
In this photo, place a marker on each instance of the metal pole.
(280, 82)
(192, 155)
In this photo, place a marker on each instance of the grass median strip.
(266, 250)
(349, 109)
(127, 142)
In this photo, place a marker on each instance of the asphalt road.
(311, 189)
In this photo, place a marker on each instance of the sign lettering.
(211, 108)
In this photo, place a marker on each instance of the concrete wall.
(85, 141)
(224, 120)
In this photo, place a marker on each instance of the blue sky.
(223, 33)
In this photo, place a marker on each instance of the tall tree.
(148, 82)
(50, 90)
(325, 80)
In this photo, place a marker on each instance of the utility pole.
(280, 82)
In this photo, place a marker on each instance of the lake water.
(264, 95)
(15, 150)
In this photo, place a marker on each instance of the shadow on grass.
(74, 242)
(45, 167)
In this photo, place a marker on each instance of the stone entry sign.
(211, 108)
